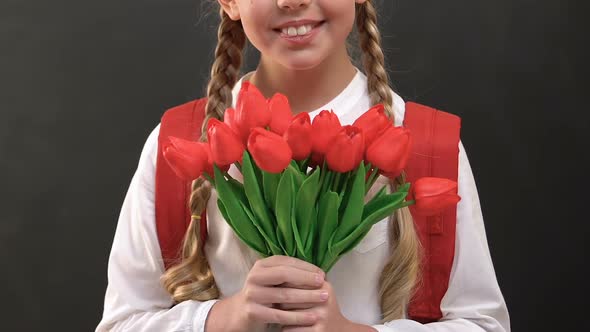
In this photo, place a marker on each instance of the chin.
(301, 63)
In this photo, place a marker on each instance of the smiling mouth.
(298, 30)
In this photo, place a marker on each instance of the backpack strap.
(435, 153)
(172, 194)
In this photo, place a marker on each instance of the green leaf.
(298, 176)
(327, 223)
(353, 211)
(238, 189)
(300, 252)
(310, 243)
(384, 207)
(305, 207)
(270, 183)
(251, 187)
(235, 214)
(270, 241)
(381, 198)
(283, 209)
(265, 251)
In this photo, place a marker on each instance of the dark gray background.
(82, 83)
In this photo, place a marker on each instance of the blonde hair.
(192, 278)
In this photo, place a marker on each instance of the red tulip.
(229, 118)
(226, 146)
(251, 110)
(298, 136)
(346, 150)
(373, 122)
(269, 150)
(188, 159)
(280, 111)
(433, 195)
(324, 128)
(390, 151)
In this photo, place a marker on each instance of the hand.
(329, 317)
(273, 281)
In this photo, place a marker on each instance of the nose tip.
(292, 4)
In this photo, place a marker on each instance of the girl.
(222, 285)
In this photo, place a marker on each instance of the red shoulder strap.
(172, 194)
(435, 153)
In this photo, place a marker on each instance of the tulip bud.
(188, 159)
(226, 147)
(390, 151)
(269, 150)
(298, 136)
(346, 150)
(373, 122)
(251, 110)
(433, 195)
(229, 118)
(324, 127)
(280, 111)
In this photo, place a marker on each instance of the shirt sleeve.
(473, 301)
(135, 299)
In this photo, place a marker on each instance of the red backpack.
(435, 153)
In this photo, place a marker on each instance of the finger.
(295, 306)
(283, 274)
(274, 316)
(290, 261)
(280, 295)
(297, 329)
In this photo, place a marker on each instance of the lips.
(299, 26)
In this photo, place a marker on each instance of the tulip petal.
(280, 113)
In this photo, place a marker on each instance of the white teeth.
(297, 31)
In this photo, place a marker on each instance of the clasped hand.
(285, 291)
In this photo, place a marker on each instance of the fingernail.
(319, 279)
(324, 296)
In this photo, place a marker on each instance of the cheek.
(254, 16)
(341, 13)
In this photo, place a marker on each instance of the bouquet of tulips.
(304, 183)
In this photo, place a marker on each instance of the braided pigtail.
(192, 278)
(400, 274)
(373, 58)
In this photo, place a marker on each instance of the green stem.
(327, 180)
(344, 184)
(336, 182)
(406, 203)
(371, 180)
(323, 175)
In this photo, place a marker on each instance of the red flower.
(298, 136)
(373, 122)
(346, 150)
(229, 118)
(324, 127)
(433, 195)
(188, 159)
(226, 147)
(251, 110)
(269, 150)
(390, 151)
(280, 111)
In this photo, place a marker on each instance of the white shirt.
(136, 301)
